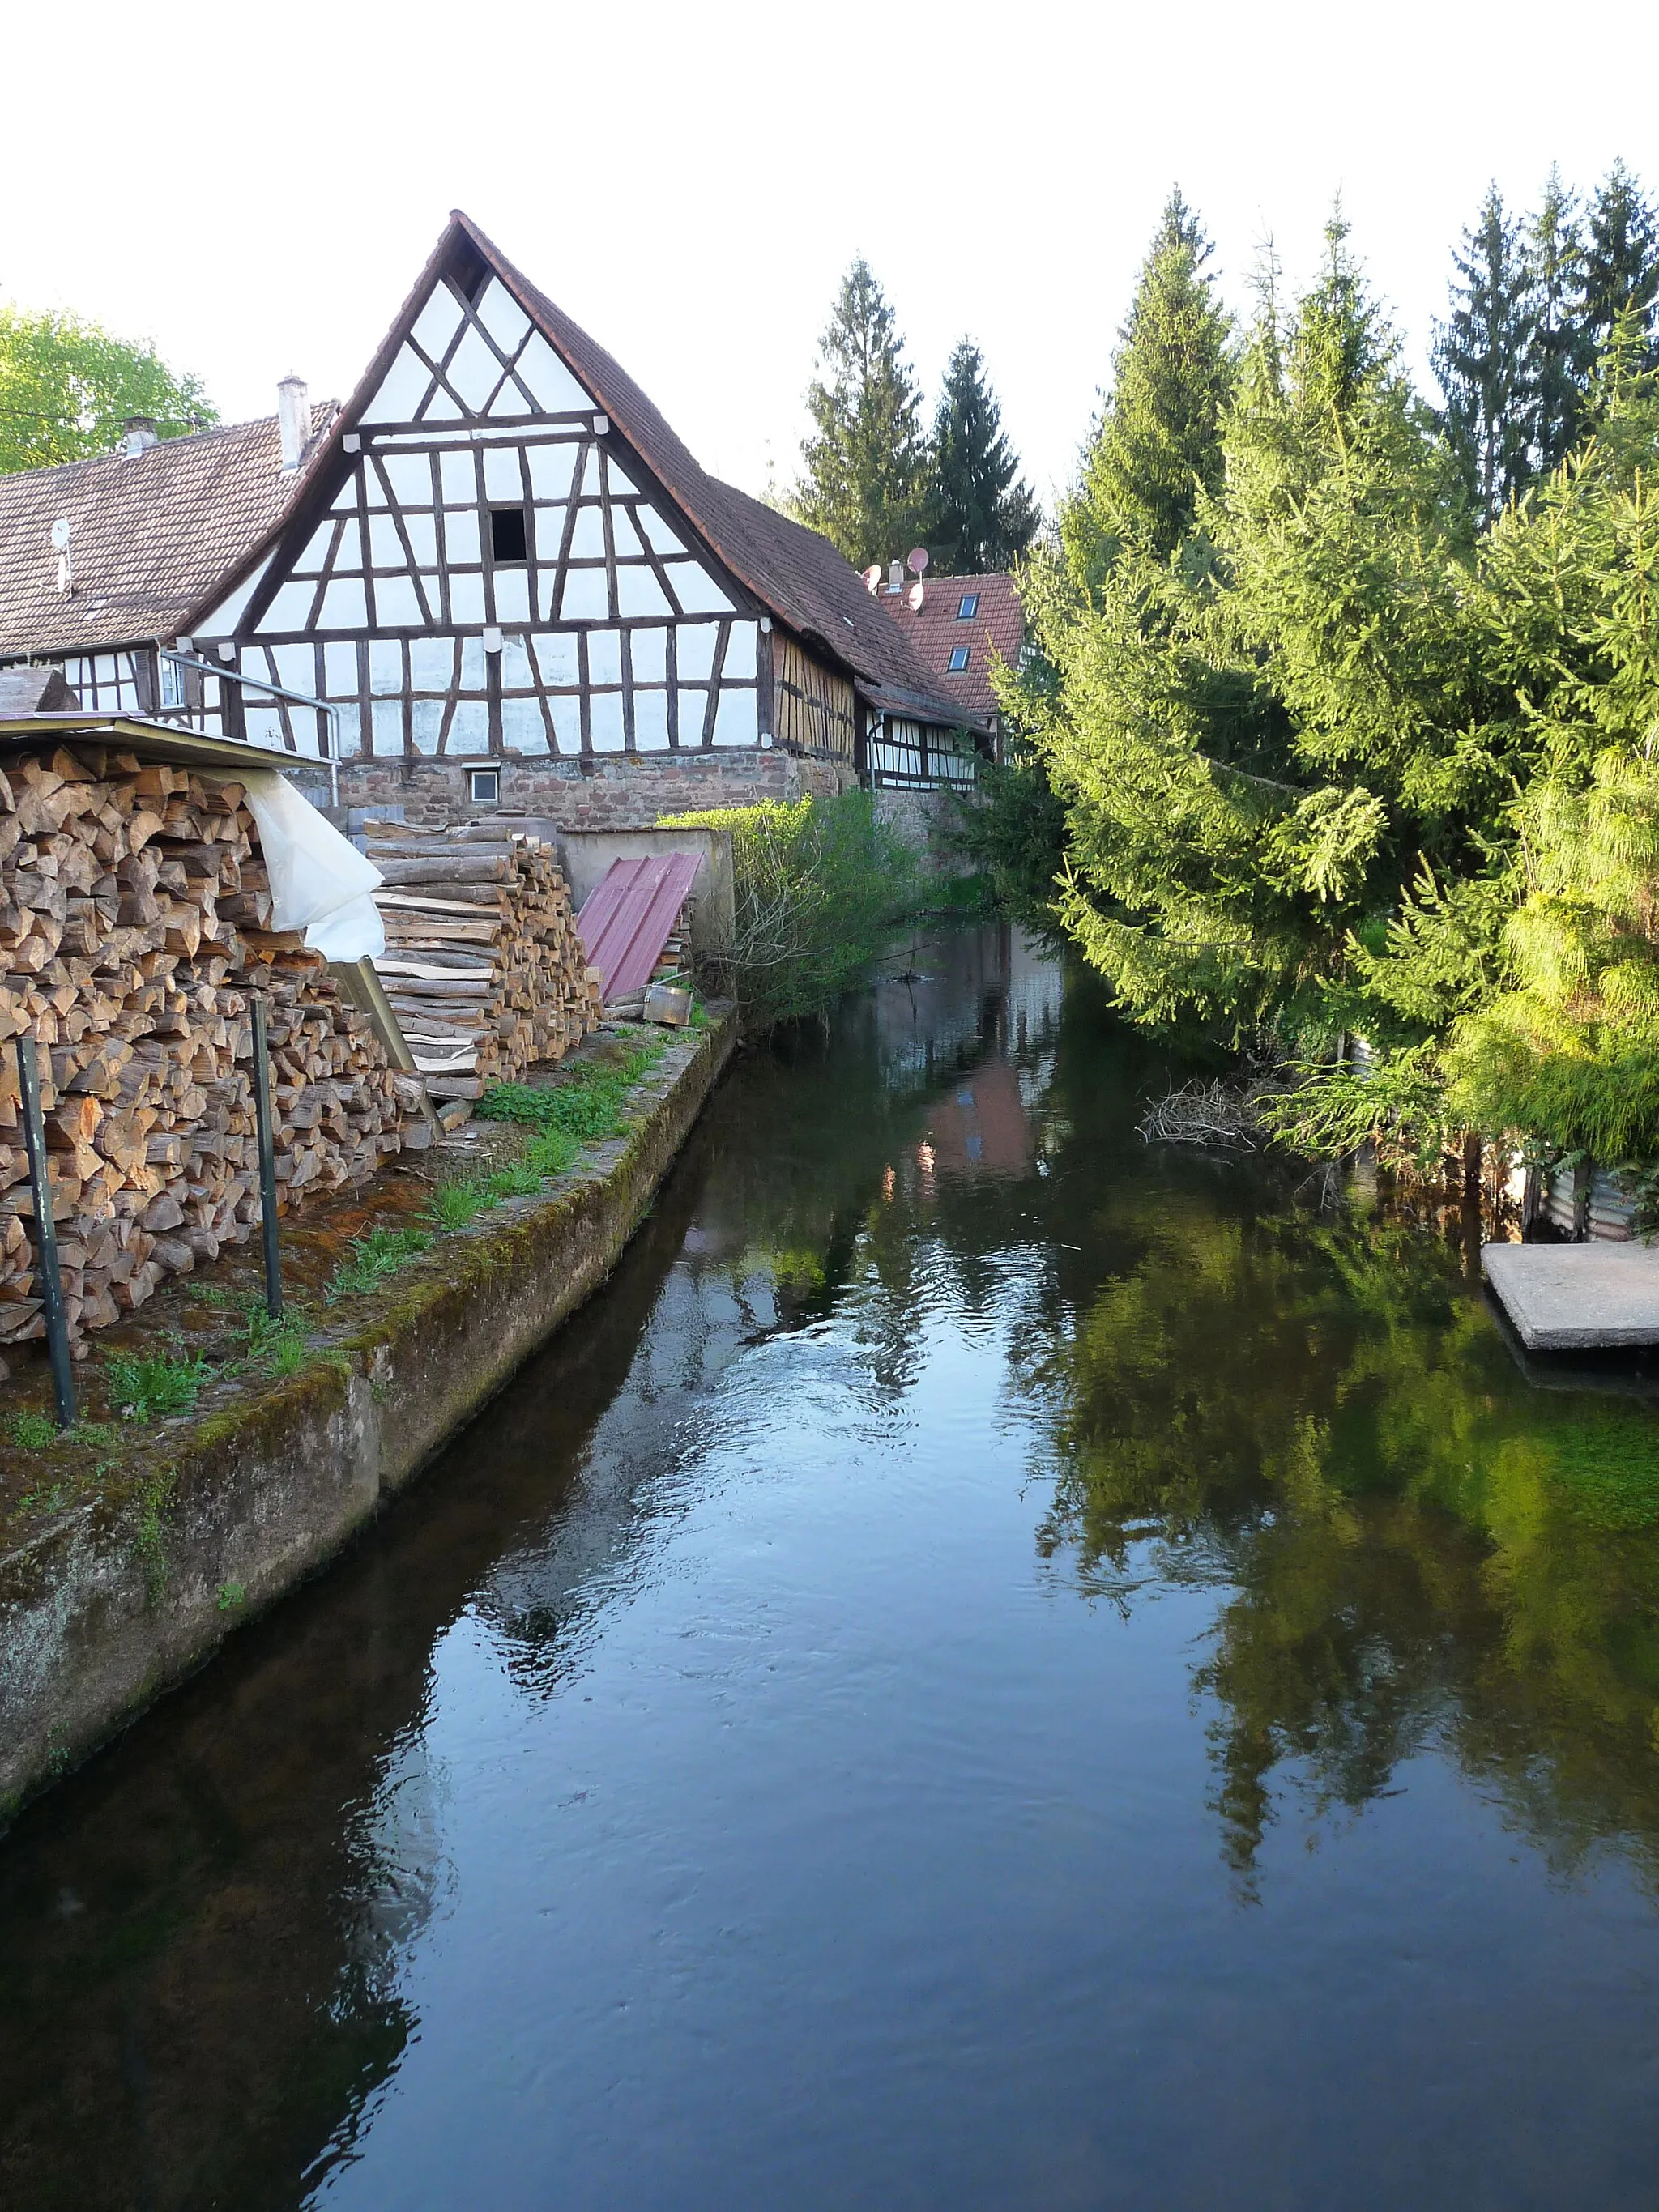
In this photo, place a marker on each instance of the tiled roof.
(149, 536)
(932, 632)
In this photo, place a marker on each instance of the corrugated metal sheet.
(630, 916)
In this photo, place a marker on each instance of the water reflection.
(916, 1284)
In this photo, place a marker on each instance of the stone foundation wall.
(612, 791)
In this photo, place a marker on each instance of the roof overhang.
(156, 741)
(922, 707)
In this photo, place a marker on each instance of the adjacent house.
(957, 629)
(493, 575)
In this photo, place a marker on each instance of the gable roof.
(932, 632)
(797, 575)
(148, 535)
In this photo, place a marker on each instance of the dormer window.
(509, 540)
(967, 611)
(958, 659)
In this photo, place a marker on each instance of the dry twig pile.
(1208, 1114)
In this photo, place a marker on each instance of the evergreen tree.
(66, 385)
(1486, 359)
(984, 517)
(865, 480)
(1158, 441)
(1619, 281)
(1560, 368)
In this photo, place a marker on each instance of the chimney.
(137, 435)
(896, 577)
(293, 421)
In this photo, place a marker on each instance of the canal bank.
(212, 1517)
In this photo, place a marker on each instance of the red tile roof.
(931, 633)
(148, 536)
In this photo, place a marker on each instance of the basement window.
(486, 784)
(969, 607)
(958, 659)
(508, 543)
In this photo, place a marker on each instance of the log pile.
(482, 966)
(134, 914)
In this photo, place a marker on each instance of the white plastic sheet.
(320, 884)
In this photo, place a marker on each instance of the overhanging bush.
(821, 888)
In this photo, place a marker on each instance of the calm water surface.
(992, 1668)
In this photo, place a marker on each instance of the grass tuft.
(374, 1259)
(142, 1389)
(33, 1431)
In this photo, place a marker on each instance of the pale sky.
(255, 190)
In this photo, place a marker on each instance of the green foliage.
(166, 1383)
(374, 1259)
(1013, 829)
(982, 517)
(232, 1596)
(1487, 362)
(822, 889)
(66, 386)
(32, 1432)
(1570, 1051)
(1156, 445)
(1619, 270)
(865, 480)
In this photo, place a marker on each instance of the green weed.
(375, 1260)
(150, 1542)
(33, 1431)
(231, 1595)
(142, 1389)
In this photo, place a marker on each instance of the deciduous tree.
(67, 385)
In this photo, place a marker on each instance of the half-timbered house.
(494, 574)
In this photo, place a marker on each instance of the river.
(991, 1667)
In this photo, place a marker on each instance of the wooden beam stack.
(134, 923)
(483, 966)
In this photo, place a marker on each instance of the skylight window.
(969, 608)
(958, 659)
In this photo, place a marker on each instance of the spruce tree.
(865, 481)
(1559, 369)
(1156, 442)
(1620, 267)
(984, 517)
(1487, 360)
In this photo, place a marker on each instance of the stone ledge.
(1576, 1297)
(117, 1600)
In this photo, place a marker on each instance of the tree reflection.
(1419, 1545)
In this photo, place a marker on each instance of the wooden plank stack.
(483, 966)
(134, 914)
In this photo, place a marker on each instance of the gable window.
(969, 609)
(509, 544)
(958, 659)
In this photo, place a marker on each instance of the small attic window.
(508, 543)
(958, 659)
(969, 609)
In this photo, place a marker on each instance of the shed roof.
(149, 536)
(132, 734)
(995, 629)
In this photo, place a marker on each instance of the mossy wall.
(115, 1601)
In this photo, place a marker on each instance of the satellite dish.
(873, 577)
(60, 534)
(914, 596)
(916, 560)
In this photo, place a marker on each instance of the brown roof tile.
(932, 632)
(148, 536)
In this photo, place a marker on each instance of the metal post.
(267, 1163)
(45, 1235)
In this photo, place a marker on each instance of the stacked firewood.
(482, 966)
(134, 914)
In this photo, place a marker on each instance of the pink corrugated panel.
(630, 916)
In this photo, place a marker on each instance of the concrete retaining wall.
(215, 1516)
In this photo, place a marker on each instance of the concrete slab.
(1576, 1297)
